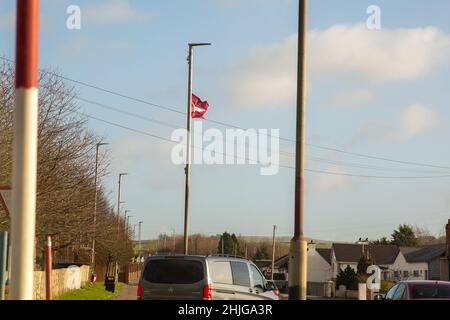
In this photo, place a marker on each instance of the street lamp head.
(102, 144)
(199, 44)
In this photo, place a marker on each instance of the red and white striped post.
(23, 217)
(48, 267)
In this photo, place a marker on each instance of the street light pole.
(273, 250)
(125, 220)
(174, 240)
(128, 220)
(25, 147)
(95, 203)
(299, 247)
(188, 149)
(118, 199)
(139, 235)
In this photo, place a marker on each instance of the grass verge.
(91, 292)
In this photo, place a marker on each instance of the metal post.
(188, 153)
(118, 200)
(95, 205)
(188, 148)
(139, 233)
(128, 223)
(299, 247)
(3, 259)
(222, 245)
(23, 217)
(273, 250)
(48, 268)
(174, 241)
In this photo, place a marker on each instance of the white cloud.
(385, 55)
(327, 182)
(115, 11)
(352, 99)
(267, 76)
(416, 120)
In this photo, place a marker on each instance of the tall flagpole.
(188, 148)
(188, 153)
(23, 215)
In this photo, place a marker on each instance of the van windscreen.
(179, 271)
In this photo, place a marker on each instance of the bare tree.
(65, 182)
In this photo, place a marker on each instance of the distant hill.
(284, 240)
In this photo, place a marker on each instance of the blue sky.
(382, 93)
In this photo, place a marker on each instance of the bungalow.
(347, 254)
(431, 255)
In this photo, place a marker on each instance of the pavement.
(128, 292)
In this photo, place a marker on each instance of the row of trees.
(203, 245)
(410, 236)
(65, 183)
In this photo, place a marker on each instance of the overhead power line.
(281, 166)
(173, 109)
(317, 159)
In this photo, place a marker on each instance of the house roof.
(383, 254)
(325, 254)
(425, 253)
(283, 261)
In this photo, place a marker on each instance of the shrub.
(348, 278)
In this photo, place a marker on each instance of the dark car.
(419, 290)
(181, 277)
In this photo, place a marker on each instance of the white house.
(396, 263)
(319, 265)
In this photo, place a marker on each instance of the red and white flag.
(199, 107)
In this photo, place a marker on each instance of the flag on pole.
(199, 107)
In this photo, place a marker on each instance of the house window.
(405, 274)
(396, 274)
(416, 273)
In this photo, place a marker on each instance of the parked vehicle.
(281, 281)
(181, 277)
(419, 290)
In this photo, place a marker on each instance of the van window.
(176, 271)
(221, 272)
(258, 281)
(241, 277)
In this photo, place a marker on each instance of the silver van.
(181, 277)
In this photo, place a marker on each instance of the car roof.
(226, 257)
(412, 282)
(198, 257)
